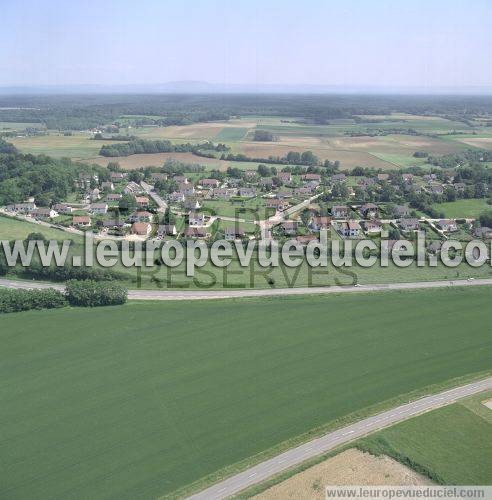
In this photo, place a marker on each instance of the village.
(290, 204)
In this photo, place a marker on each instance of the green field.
(78, 145)
(142, 399)
(10, 126)
(451, 445)
(14, 229)
(471, 208)
(231, 134)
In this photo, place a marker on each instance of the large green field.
(463, 208)
(140, 400)
(452, 445)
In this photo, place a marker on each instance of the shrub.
(13, 300)
(90, 293)
(65, 273)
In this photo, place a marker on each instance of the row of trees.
(145, 146)
(77, 293)
(91, 293)
(12, 300)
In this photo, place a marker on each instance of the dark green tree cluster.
(145, 146)
(47, 179)
(91, 293)
(13, 300)
(264, 136)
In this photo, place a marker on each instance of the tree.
(309, 158)
(486, 219)
(127, 203)
(293, 157)
(264, 136)
(93, 293)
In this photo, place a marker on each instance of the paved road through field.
(268, 292)
(324, 444)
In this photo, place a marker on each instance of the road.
(324, 444)
(149, 189)
(268, 292)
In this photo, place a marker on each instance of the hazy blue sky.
(374, 42)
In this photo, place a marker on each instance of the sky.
(364, 43)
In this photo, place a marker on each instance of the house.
(285, 177)
(23, 208)
(186, 188)
(247, 192)
(141, 228)
(303, 191)
(320, 223)
(305, 239)
(233, 182)
(81, 221)
(181, 179)
(266, 182)
(232, 233)
(338, 178)
(407, 178)
(279, 205)
(383, 177)
(94, 195)
(409, 224)
(195, 232)
(141, 216)
(312, 184)
(107, 186)
(85, 179)
(311, 177)
(372, 226)
(116, 176)
(133, 188)
(369, 210)
(483, 232)
(430, 177)
(436, 189)
(212, 183)
(192, 204)
(98, 208)
(166, 229)
(113, 197)
(63, 208)
(176, 197)
(196, 219)
(340, 211)
(113, 224)
(366, 182)
(142, 201)
(448, 225)
(350, 229)
(283, 194)
(401, 211)
(44, 213)
(459, 187)
(290, 227)
(223, 193)
(156, 177)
